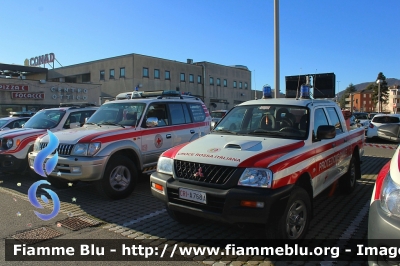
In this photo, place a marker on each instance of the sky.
(353, 39)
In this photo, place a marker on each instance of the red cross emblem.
(158, 141)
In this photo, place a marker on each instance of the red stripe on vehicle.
(379, 180)
(139, 133)
(20, 134)
(23, 144)
(171, 153)
(265, 157)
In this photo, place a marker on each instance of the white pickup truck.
(268, 170)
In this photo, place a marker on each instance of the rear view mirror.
(326, 132)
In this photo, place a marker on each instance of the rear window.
(385, 119)
(197, 112)
(217, 114)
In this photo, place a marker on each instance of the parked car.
(216, 116)
(362, 119)
(390, 132)
(371, 115)
(124, 139)
(384, 212)
(22, 114)
(7, 123)
(267, 171)
(379, 120)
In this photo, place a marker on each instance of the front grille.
(206, 173)
(214, 204)
(63, 149)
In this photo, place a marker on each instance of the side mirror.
(152, 122)
(326, 132)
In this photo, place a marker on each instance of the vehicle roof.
(72, 107)
(219, 111)
(287, 101)
(14, 118)
(394, 115)
(155, 99)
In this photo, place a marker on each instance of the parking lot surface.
(142, 217)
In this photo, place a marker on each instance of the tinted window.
(361, 116)
(319, 119)
(160, 112)
(177, 115)
(197, 112)
(333, 116)
(385, 119)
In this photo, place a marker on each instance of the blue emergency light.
(305, 91)
(267, 92)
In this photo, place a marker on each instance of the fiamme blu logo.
(48, 167)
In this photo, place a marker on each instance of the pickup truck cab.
(123, 139)
(282, 154)
(17, 143)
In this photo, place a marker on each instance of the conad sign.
(43, 59)
(28, 95)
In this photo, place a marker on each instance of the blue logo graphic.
(32, 198)
(49, 166)
(42, 155)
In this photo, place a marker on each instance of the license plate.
(192, 195)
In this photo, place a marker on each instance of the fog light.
(75, 169)
(252, 204)
(158, 187)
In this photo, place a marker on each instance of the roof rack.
(77, 104)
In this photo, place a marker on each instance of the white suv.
(123, 139)
(381, 119)
(16, 143)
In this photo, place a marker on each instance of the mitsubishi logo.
(199, 173)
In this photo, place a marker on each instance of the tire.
(181, 217)
(347, 182)
(294, 223)
(119, 179)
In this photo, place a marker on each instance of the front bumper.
(383, 231)
(76, 168)
(223, 204)
(10, 163)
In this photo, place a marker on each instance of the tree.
(350, 89)
(384, 90)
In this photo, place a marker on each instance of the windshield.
(278, 121)
(45, 119)
(361, 116)
(3, 122)
(125, 114)
(217, 114)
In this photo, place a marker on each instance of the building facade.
(360, 101)
(220, 87)
(27, 89)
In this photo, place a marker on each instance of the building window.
(145, 72)
(102, 74)
(122, 72)
(182, 76)
(245, 85)
(225, 83)
(167, 75)
(218, 82)
(191, 78)
(211, 81)
(156, 73)
(199, 79)
(234, 84)
(240, 85)
(112, 73)
(86, 77)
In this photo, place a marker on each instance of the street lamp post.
(379, 95)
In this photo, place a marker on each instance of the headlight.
(165, 165)
(85, 149)
(256, 177)
(80, 149)
(7, 143)
(36, 146)
(390, 196)
(93, 148)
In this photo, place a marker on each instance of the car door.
(184, 129)
(157, 139)
(324, 153)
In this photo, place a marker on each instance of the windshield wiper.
(110, 123)
(225, 131)
(90, 123)
(269, 133)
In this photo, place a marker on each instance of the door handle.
(191, 131)
(333, 145)
(345, 140)
(168, 136)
